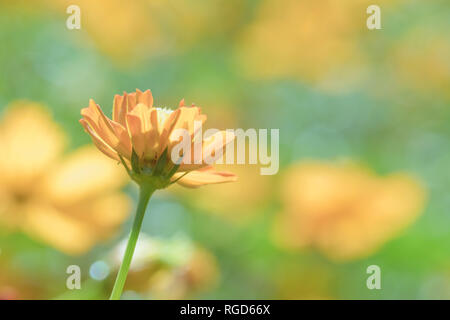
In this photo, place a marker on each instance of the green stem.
(144, 196)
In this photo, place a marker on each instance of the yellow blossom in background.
(307, 40)
(345, 211)
(131, 31)
(199, 274)
(421, 62)
(69, 201)
(172, 268)
(190, 21)
(124, 30)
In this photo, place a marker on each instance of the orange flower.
(345, 211)
(144, 137)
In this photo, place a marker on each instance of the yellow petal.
(131, 101)
(186, 120)
(212, 149)
(120, 109)
(145, 97)
(166, 129)
(218, 141)
(182, 118)
(143, 126)
(98, 142)
(111, 132)
(204, 176)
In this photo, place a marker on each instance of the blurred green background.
(336, 90)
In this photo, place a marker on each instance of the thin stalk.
(144, 196)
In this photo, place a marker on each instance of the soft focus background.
(364, 148)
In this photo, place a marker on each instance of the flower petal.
(207, 175)
(111, 132)
(182, 118)
(166, 129)
(186, 119)
(98, 142)
(213, 148)
(120, 109)
(145, 97)
(143, 127)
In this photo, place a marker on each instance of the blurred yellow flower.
(169, 269)
(131, 31)
(71, 202)
(199, 274)
(190, 21)
(345, 211)
(124, 30)
(421, 61)
(309, 40)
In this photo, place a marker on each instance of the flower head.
(144, 138)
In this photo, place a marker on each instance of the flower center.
(163, 114)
